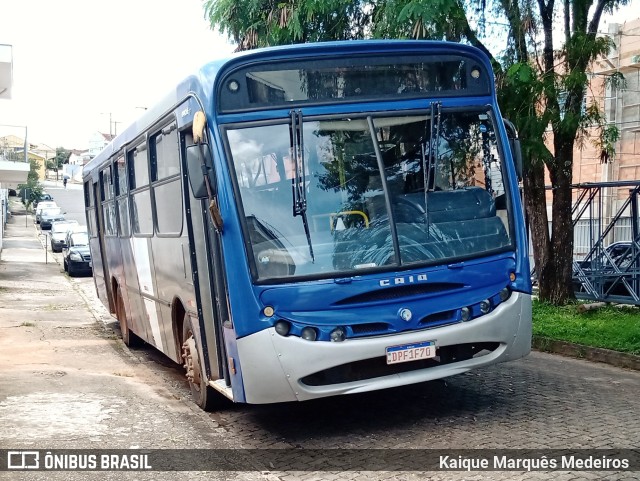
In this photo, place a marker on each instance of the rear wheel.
(203, 395)
(128, 337)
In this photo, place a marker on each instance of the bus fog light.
(465, 314)
(338, 334)
(309, 333)
(505, 294)
(485, 306)
(282, 327)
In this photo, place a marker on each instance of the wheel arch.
(177, 317)
(115, 286)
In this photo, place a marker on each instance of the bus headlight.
(505, 294)
(282, 327)
(309, 333)
(485, 306)
(338, 334)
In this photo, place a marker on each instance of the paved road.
(542, 401)
(70, 200)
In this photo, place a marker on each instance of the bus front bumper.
(274, 367)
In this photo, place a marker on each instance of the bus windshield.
(352, 194)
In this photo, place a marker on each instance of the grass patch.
(613, 327)
(28, 324)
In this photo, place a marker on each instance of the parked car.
(49, 216)
(48, 204)
(58, 233)
(76, 254)
(618, 261)
(44, 197)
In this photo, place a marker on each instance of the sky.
(79, 63)
(81, 66)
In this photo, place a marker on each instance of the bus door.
(209, 280)
(100, 265)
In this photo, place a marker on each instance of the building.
(12, 148)
(99, 141)
(621, 107)
(79, 157)
(6, 71)
(13, 167)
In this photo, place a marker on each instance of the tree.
(32, 190)
(253, 24)
(539, 84)
(62, 157)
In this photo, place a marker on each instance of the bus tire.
(202, 394)
(128, 337)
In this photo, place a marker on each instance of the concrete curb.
(579, 351)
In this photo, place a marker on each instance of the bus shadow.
(460, 399)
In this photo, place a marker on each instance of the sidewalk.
(66, 379)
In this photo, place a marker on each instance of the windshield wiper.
(299, 181)
(430, 155)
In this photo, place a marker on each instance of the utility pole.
(112, 124)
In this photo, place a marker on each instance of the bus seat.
(445, 206)
(452, 239)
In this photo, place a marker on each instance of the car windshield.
(62, 226)
(45, 205)
(352, 194)
(51, 212)
(80, 239)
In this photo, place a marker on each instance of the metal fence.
(606, 261)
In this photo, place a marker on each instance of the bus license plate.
(411, 352)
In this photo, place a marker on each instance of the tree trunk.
(536, 209)
(555, 281)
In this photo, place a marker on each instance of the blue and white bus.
(313, 220)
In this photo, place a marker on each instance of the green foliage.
(32, 190)
(520, 90)
(256, 23)
(32, 176)
(609, 135)
(62, 157)
(611, 327)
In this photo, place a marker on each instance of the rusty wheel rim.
(191, 361)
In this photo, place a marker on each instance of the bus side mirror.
(516, 151)
(197, 169)
(514, 145)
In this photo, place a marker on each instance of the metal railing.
(606, 263)
(10, 151)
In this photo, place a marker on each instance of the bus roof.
(203, 81)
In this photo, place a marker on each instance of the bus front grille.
(400, 292)
(378, 367)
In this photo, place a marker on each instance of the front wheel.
(202, 394)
